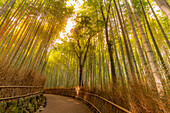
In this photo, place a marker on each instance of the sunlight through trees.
(119, 48)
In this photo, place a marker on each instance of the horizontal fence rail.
(12, 92)
(100, 104)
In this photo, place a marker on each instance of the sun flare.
(70, 22)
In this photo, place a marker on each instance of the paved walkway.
(61, 104)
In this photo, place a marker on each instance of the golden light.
(62, 35)
(70, 22)
(76, 4)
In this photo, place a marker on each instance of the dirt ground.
(61, 104)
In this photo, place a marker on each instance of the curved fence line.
(100, 104)
(13, 92)
(119, 107)
(21, 87)
(8, 98)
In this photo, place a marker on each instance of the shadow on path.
(62, 104)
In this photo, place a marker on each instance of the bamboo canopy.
(117, 49)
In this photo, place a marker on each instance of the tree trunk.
(154, 41)
(7, 15)
(104, 66)
(140, 51)
(2, 31)
(130, 46)
(42, 46)
(18, 45)
(163, 7)
(163, 32)
(113, 73)
(8, 22)
(126, 47)
(121, 48)
(6, 7)
(149, 52)
(116, 54)
(166, 3)
(80, 75)
(16, 33)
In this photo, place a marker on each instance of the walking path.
(61, 104)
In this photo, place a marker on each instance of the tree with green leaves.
(80, 40)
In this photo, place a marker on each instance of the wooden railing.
(12, 92)
(100, 104)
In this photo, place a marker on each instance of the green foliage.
(28, 35)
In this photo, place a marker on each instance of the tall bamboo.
(149, 52)
(163, 7)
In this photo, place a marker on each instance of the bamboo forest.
(113, 56)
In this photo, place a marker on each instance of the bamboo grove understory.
(118, 49)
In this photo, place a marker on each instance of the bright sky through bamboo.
(70, 22)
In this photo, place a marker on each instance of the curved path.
(62, 104)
